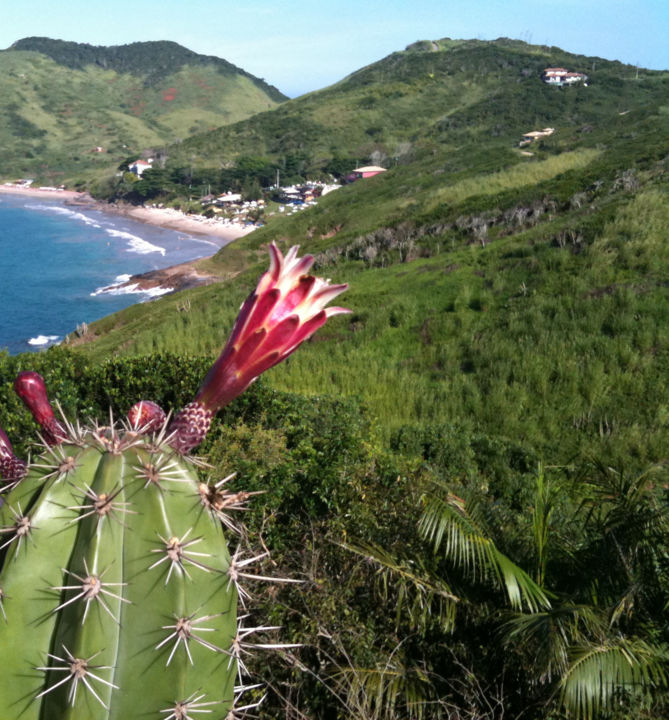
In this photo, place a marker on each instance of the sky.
(305, 46)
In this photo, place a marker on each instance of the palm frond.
(546, 637)
(600, 675)
(613, 496)
(467, 545)
(419, 594)
(379, 692)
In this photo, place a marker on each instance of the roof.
(539, 133)
(140, 162)
(370, 168)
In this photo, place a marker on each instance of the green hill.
(432, 98)
(60, 101)
(486, 283)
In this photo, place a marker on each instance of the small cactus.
(118, 595)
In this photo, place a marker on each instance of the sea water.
(62, 265)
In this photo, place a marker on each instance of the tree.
(571, 600)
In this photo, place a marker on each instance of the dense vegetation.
(469, 472)
(60, 101)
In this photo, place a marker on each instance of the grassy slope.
(52, 116)
(558, 328)
(523, 296)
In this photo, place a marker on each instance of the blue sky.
(302, 46)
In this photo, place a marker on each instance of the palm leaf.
(467, 545)
(600, 675)
(547, 636)
(419, 593)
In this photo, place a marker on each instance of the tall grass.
(567, 361)
(526, 173)
(564, 351)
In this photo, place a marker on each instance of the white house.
(562, 76)
(139, 166)
(229, 198)
(533, 135)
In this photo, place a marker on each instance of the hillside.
(469, 472)
(432, 98)
(71, 110)
(465, 255)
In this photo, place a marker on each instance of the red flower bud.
(31, 389)
(11, 467)
(146, 417)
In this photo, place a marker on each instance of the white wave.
(120, 288)
(60, 210)
(156, 291)
(136, 243)
(122, 278)
(43, 339)
(192, 238)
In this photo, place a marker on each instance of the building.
(367, 171)
(228, 198)
(139, 166)
(561, 76)
(533, 135)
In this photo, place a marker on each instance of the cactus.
(118, 595)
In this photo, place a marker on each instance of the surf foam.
(136, 243)
(43, 340)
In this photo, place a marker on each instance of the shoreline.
(172, 278)
(161, 217)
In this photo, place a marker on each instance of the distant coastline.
(160, 217)
(169, 279)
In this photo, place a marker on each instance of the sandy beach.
(54, 194)
(175, 220)
(176, 277)
(162, 217)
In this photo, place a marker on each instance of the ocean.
(61, 266)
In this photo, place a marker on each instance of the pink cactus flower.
(31, 389)
(286, 308)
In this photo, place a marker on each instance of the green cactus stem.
(115, 583)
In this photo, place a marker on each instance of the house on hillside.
(229, 198)
(561, 76)
(139, 166)
(290, 194)
(367, 171)
(530, 137)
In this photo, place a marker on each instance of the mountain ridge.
(135, 58)
(81, 115)
(413, 93)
